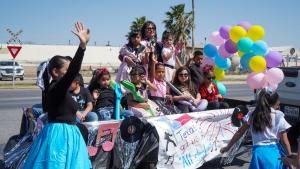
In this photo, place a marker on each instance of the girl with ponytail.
(268, 130)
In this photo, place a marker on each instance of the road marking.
(20, 98)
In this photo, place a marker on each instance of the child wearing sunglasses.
(182, 81)
(209, 90)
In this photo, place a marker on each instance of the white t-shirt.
(270, 135)
(165, 51)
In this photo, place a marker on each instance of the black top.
(196, 75)
(59, 102)
(107, 98)
(82, 98)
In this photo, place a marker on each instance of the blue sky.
(51, 22)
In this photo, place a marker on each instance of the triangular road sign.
(14, 50)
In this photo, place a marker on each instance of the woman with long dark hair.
(268, 128)
(60, 143)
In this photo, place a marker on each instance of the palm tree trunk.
(193, 27)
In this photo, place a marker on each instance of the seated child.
(104, 96)
(210, 92)
(84, 100)
(189, 100)
(137, 76)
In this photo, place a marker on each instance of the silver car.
(6, 70)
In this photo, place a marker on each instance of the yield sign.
(14, 50)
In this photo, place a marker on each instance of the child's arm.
(292, 160)
(285, 141)
(235, 137)
(89, 108)
(151, 86)
(178, 61)
(132, 103)
(154, 61)
(189, 61)
(197, 99)
(182, 97)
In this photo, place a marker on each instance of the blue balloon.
(245, 45)
(245, 60)
(210, 50)
(223, 63)
(222, 89)
(260, 48)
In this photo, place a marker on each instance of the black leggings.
(217, 105)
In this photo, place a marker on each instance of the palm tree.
(137, 24)
(179, 23)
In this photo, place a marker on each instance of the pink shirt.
(161, 89)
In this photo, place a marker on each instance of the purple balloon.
(230, 46)
(273, 59)
(246, 25)
(223, 53)
(224, 31)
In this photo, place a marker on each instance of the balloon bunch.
(245, 40)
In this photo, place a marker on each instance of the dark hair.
(79, 78)
(177, 83)
(97, 75)
(166, 35)
(133, 34)
(198, 53)
(261, 116)
(157, 65)
(69, 58)
(138, 69)
(143, 30)
(55, 62)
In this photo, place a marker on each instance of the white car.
(6, 70)
(289, 93)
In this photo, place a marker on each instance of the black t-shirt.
(107, 98)
(82, 98)
(59, 103)
(196, 75)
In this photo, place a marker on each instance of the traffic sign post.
(14, 49)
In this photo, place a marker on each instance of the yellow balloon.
(236, 33)
(240, 53)
(256, 33)
(219, 73)
(257, 64)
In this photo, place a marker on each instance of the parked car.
(6, 70)
(289, 91)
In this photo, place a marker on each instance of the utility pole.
(193, 27)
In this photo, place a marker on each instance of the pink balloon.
(208, 61)
(273, 86)
(223, 52)
(216, 39)
(274, 76)
(256, 80)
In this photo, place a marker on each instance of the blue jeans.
(37, 110)
(126, 113)
(91, 116)
(108, 113)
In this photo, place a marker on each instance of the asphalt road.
(12, 101)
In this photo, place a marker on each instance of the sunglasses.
(150, 28)
(183, 75)
(211, 77)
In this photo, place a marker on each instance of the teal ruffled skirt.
(59, 146)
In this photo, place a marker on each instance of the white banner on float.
(186, 141)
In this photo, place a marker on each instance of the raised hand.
(82, 33)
